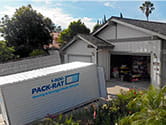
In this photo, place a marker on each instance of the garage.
(82, 58)
(131, 68)
(137, 50)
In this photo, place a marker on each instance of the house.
(128, 49)
(55, 43)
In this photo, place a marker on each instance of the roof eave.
(105, 47)
(86, 41)
(68, 44)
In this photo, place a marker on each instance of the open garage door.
(82, 58)
(130, 67)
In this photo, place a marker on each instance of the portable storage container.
(28, 96)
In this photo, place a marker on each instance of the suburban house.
(128, 49)
(55, 44)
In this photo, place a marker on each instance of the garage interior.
(130, 68)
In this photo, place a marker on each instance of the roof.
(19, 77)
(96, 41)
(157, 27)
(92, 40)
(151, 27)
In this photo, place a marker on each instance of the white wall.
(108, 33)
(126, 32)
(80, 48)
(3, 108)
(104, 61)
(138, 46)
(120, 31)
(163, 63)
(23, 108)
(29, 64)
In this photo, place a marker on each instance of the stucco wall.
(29, 64)
(80, 48)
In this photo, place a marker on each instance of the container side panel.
(3, 108)
(33, 99)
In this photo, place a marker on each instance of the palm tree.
(147, 8)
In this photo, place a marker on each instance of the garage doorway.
(130, 68)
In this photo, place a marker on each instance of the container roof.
(18, 77)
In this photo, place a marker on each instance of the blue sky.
(62, 12)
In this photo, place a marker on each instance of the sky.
(62, 12)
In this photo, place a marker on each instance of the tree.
(104, 19)
(26, 30)
(6, 53)
(74, 28)
(99, 23)
(121, 15)
(96, 27)
(147, 8)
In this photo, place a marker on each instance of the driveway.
(114, 86)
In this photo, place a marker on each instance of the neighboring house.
(124, 44)
(55, 43)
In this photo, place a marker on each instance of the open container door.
(102, 82)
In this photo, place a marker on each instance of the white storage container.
(31, 95)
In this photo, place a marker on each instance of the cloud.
(107, 4)
(60, 18)
(7, 11)
(56, 15)
(46, 1)
(110, 4)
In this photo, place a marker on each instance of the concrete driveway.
(114, 86)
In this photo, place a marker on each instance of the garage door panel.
(82, 58)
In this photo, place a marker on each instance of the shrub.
(151, 108)
(37, 52)
(57, 120)
(6, 53)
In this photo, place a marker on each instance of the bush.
(110, 113)
(150, 108)
(57, 120)
(37, 52)
(6, 53)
